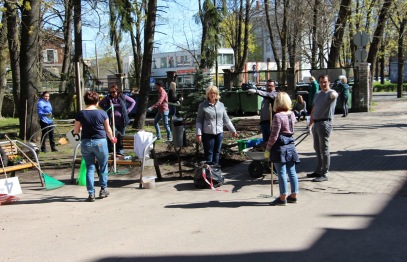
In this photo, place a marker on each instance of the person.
(314, 88)
(44, 109)
(344, 94)
(95, 127)
(173, 100)
(163, 111)
(321, 119)
(268, 99)
(281, 150)
(211, 118)
(300, 108)
(122, 106)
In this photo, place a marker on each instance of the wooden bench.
(12, 154)
(128, 144)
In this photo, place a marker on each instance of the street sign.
(361, 39)
(360, 55)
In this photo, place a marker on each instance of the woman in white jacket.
(211, 118)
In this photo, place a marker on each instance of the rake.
(50, 182)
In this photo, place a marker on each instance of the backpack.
(208, 175)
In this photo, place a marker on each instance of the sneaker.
(103, 193)
(91, 198)
(54, 150)
(292, 200)
(168, 141)
(320, 179)
(313, 175)
(158, 138)
(279, 202)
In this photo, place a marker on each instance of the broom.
(50, 182)
(82, 174)
(115, 172)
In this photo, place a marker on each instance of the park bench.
(128, 144)
(11, 149)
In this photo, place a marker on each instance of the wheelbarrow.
(260, 163)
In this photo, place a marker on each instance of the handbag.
(208, 175)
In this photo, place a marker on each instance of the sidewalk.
(358, 215)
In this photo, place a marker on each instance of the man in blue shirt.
(44, 110)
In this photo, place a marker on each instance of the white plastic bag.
(141, 140)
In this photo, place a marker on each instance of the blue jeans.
(321, 133)
(157, 118)
(265, 131)
(91, 149)
(288, 168)
(212, 145)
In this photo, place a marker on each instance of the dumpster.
(178, 131)
(231, 101)
(249, 103)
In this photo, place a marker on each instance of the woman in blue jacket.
(44, 110)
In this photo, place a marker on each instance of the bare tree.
(149, 30)
(337, 39)
(14, 49)
(378, 34)
(29, 67)
(3, 59)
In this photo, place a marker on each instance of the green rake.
(50, 182)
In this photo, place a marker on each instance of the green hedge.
(387, 87)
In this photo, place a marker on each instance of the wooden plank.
(17, 167)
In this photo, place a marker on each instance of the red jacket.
(162, 103)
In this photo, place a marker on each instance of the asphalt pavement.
(358, 215)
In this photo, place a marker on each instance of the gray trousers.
(321, 132)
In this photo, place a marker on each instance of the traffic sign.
(360, 55)
(361, 39)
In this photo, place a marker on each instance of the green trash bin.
(231, 101)
(249, 103)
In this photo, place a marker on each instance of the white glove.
(149, 109)
(178, 103)
(252, 91)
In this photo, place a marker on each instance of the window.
(163, 62)
(182, 61)
(225, 59)
(50, 56)
(171, 61)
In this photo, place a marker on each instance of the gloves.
(252, 91)
(181, 99)
(149, 109)
(267, 154)
(178, 103)
(309, 131)
(114, 140)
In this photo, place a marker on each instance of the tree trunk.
(149, 30)
(115, 37)
(400, 60)
(314, 43)
(337, 39)
(14, 50)
(271, 36)
(3, 59)
(29, 68)
(68, 28)
(377, 37)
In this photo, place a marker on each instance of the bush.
(387, 87)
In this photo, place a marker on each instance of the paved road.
(358, 215)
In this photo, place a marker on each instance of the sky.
(176, 28)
